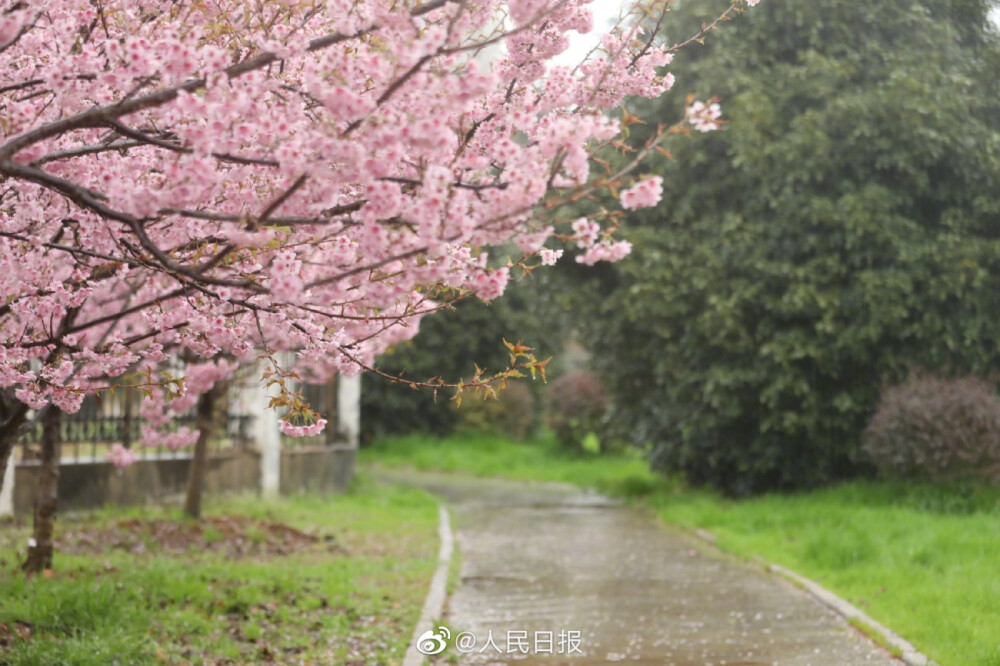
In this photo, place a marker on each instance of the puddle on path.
(562, 577)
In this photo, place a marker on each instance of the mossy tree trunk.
(40, 547)
(206, 421)
(13, 414)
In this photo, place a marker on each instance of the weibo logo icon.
(433, 642)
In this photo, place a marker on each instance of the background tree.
(844, 225)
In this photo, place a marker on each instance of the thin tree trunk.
(14, 413)
(205, 422)
(46, 495)
(12, 417)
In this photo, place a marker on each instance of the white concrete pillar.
(349, 408)
(267, 435)
(7, 494)
(270, 459)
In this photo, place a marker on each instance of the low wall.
(317, 469)
(84, 485)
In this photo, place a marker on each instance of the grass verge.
(921, 559)
(306, 580)
(487, 454)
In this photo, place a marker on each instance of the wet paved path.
(547, 558)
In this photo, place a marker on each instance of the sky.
(605, 13)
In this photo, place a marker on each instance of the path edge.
(434, 602)
(907, 652)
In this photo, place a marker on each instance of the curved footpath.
(552, 575)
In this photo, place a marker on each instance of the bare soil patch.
(235, 536)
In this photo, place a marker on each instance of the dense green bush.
(511, 413)
(841, 226)
(575, 405)
(937, 429)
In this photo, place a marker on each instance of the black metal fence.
(113, 418)
(108, 419)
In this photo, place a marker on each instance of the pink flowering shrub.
(937, 429)
(575, 404)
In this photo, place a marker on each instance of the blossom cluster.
(119, 456)
(291, 430)
(704, 117)
(644, 194)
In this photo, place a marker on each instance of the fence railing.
(105, 420)
(113, 418)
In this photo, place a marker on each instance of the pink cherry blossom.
(302, 430)
(605, 251)
(704, 117)
(550, 257)
(119, 456)
(187, 190)
(644, 194)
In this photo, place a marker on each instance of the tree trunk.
(205, 422)
(46, 495)
(12, 417)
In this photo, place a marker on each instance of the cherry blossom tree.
(183, 177)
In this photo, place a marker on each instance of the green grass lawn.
(922, 559)
(306, 580)
(486, 454)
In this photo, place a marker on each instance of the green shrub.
(511, 414)
(937, 429)
(575, 404)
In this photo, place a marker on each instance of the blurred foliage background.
(841, 229)
(449, 345)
